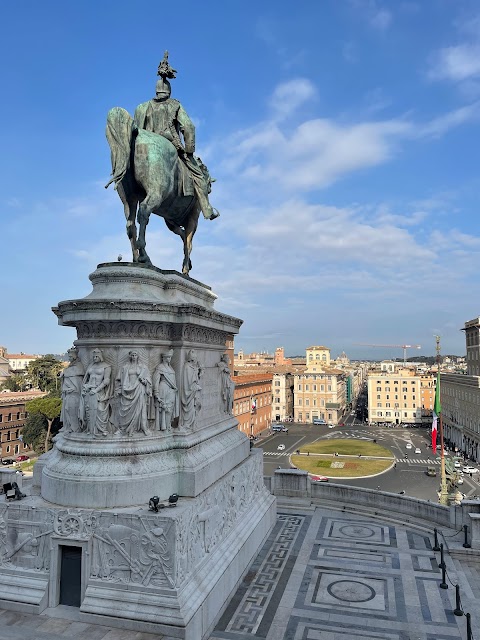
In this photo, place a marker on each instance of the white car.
(469, 469)
(330, 425)
(459, 480)
(281, 447)
(457, 464)
(418, 450)
(409, 445)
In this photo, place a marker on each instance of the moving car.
(285, 429)
(319, 478)
(277, 427)
(281, 447)
(431, 471)
(341, 424)
(330, 425)
(418, 450)
(318, 421)
(409, 445)
(469, 469)
(457, 464)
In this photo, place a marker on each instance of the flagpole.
(443, 499)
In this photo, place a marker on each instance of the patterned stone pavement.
(321, 575)
(328, 575)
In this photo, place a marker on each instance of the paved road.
(409, 474)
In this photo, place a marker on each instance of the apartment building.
(396, 396)
(460, 398)
(12, 420)
(319, 394)
(282, 396)
(252, 402)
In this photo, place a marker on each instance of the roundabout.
(343, 458)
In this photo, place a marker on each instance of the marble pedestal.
(172, 571)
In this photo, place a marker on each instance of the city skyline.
(343, 141)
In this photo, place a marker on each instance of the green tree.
(50, 408)
(34, 431)
(16, 382)
(43, 372)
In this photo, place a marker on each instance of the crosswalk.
(275, 453)
(279, 454)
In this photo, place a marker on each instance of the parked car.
(418, 450)
(318, 421)
(469, 469)
(409, 445)
(7, 461)
(341, 424)
(277, 427)
(319, 478)
(285, 429)
(22, 458)
(281, 447)
(330, 425)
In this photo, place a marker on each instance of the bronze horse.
(150, 178)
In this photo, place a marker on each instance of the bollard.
(436, 546)
(469, 627)
(465, 531)
(458, 605)
(442, 561)
(443, 584)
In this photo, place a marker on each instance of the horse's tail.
(119, 134)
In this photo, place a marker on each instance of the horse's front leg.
(143, 216)
(190, 229)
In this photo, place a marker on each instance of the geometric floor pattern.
(329, 575)
(322, 574)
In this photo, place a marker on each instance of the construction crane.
(394, 346)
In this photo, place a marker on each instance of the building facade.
(319, 394)
(252, 402)
(396, 396)
(12, 420)
(460, 398)
(282, 396)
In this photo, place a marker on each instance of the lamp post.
(443, 498)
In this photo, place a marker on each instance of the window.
(322, 387)
(379, 404)
(299, 401)
(307, 402)
(404, 397)
(378, 397)
(387, 404)
(307, 416)
(388, 397)
(277, 383)
(306, 387)
(387, 388)
(314, 387)
(299, 387)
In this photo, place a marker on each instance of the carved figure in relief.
(72, 379)
(228, 385)
(134, 388)
(165, 393)
(94, 410)
(191, 390)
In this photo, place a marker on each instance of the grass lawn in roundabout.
(355, 458)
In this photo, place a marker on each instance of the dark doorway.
(70, 576)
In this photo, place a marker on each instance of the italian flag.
(436, 412)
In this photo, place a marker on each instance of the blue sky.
(343, 136)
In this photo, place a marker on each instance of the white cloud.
(440, 125)
(289, 96)
(377, 16)
(381, 19)
(458, 63)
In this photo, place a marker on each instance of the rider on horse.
(166, 117)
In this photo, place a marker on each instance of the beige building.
(282, 396)
(317, 358)
(398, 396)
(460, 398)
(319, 395)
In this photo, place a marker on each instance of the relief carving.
(165, 393)
(72, 380)
(227, 383)
(73, 523)
(94, 409)
(191, 390)
(133, 387)
(123, 554)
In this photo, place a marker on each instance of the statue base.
(170, 572)
(85, 537)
